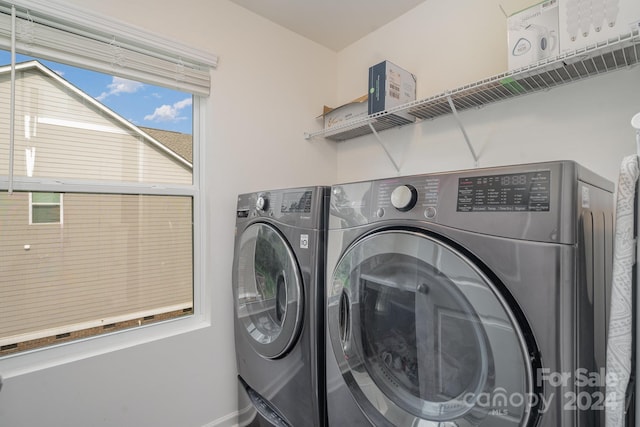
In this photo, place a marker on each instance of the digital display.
(296, 202)
(519, 192)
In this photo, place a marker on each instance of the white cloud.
(119, 85)
(167, 113)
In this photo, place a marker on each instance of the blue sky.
(142, 104)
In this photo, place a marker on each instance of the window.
(45, 208)
(109, 154)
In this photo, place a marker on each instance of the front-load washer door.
(424, 338)
(268, 291)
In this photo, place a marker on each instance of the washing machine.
(469, 298)
(278, 287)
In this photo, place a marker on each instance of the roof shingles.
(179, 143)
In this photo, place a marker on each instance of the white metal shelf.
(594, 60)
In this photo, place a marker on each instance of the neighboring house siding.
(114, 254)
(75, 140)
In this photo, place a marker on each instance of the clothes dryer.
(278, 287)
(469, 298)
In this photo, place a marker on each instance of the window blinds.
(52, 30)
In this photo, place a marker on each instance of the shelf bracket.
(384, 147)
(464, 132)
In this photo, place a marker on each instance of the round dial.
(262, 203)
(404, 197)
(635, 121)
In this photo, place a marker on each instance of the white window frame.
(42, 358)
(60, 220)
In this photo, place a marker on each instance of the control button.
(404, 197)
(430, 212)
(262, 203)
(380, 212)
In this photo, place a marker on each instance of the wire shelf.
(380, 121)
(594, 60)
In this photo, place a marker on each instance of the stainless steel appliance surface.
(278, 289)
(469, 298)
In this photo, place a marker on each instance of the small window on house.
(46, 208)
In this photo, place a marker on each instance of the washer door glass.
(268, 290)
(424, 338)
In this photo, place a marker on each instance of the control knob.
(262, 203)
(404, 197)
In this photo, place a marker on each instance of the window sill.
(39, 359)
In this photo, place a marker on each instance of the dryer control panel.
(514, 192)
(503, 200)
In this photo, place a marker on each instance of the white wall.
(450, 44)
(267, 90)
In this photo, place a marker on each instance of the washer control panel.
(300, 207)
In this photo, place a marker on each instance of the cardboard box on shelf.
(586, 23)
(350, 111)
(389, 87)
(532, 34)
